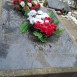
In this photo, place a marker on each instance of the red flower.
(33, 8)
(47, 18)
(47, 28)
(17, 1)
(37, 6)
(30, 1)
(54, 26)
(37, 25)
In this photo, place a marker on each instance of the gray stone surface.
(57, 4)
(21, 51)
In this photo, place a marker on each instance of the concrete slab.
(21, 51)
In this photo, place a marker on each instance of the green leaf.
(56, 22)
(50, 14)
(24, 27)
(40, 36)
(59, 31)
(27, 11)
(43, 40)
(26, 1)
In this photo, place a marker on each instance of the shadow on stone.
(3, 50)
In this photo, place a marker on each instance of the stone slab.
(21, 51)
(57, 4)
(0, 7)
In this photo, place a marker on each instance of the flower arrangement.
(23, 4)
(42, 24)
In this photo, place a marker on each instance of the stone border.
(37, 71)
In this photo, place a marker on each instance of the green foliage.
(27, 11)
(50, 13)
(26, 1)
(56, 21)
(24, 27)
(59, 31)
(40, 36)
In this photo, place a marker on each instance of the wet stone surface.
(21, 51)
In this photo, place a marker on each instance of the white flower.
(73, 18)
(69, 13)
(22, 3)
(39, 20)
(35, 2)
(31, 19)
(37, 16)
(40, 12)
(76, 22)
(31, 13)
(29, 4)
(45, 14)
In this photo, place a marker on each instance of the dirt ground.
(70, 26)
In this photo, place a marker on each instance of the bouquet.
(22, 5)
(40, 23)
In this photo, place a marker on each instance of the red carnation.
(30, 1)
(37, 6)
(49, 31)
(17, 1)
(37, 25)
(33, 8)
(47, 27)
(54, 26)
(47, 18)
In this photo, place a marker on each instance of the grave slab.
(21, 51)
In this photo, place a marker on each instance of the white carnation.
(45, 14)
(40, 20)
(39, 16)
(31, 19)
(35, 2)
(22, 3)
(29, 4)
(40, 12)
(31, 13)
